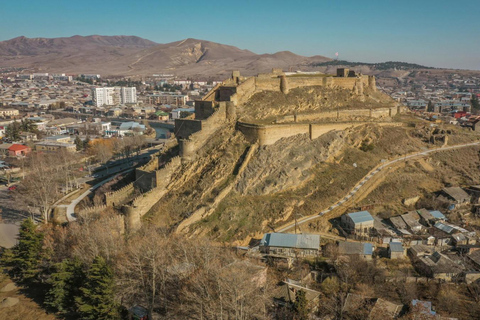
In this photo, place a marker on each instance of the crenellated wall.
(143, 203)
(120, 196)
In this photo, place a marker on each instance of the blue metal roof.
(289, 240)
(437, 214)
(360, 216)
(367, 248)
(396, 247)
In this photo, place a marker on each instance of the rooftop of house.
(395, 247)
(456, 193)
(438, 215)
(17, 147)
(360, 248)
(360, 217)
(289, 240)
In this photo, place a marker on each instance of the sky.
(436, 33)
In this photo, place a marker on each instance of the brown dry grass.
(25, 309)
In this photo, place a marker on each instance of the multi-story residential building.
(8, 113)
(166, 98)
(114, 95)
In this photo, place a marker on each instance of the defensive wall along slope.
(219, 109)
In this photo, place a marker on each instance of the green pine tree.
(12, 131)
(27, 254)
(65, 283)
(474, 102)
(300, 305)
(96, 300)
(79, 143)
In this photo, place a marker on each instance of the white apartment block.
(114, 95)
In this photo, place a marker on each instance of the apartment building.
(114, 95)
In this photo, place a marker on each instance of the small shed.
(396, 250)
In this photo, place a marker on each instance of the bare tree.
(40, 188)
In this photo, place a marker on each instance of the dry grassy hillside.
(297, 176)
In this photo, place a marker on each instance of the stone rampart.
(93, 209)
(120, 196)
(267, 83)
(190, 145)
(269, 134)
(184, 128)
(143, 203)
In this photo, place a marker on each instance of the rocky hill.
(130, 55)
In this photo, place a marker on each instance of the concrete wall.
(120, 196)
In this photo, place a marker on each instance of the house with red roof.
(18, 150)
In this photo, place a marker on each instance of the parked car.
(12, 188)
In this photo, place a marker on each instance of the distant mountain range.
(130, 55)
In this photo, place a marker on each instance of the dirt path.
(368, 184)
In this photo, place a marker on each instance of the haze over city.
(432, 33)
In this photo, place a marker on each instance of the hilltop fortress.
(222, 103)
(226, 106)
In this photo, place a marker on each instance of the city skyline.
(431, 33)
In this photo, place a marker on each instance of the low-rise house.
(52, 146)
(396, 250)
(412, 219)
(286, 294)
(59, 139)
(429, 218)
(287, 244)
(361, 222)
(438, 266)
(456, 196)
(400, 225)
(364, 250)
(16, 150)
(360, 307)
(27, 136)
(420, 250)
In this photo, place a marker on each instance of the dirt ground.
(25, 309)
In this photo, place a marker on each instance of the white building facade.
(110, 96)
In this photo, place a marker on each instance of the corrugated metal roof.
(367, 248)
(360, 216)
(443, 227)
(288, 240)
(396, 247)
(437, 214)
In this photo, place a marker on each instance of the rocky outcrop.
(287, 163)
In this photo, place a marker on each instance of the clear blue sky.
(436, 33)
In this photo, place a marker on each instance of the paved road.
(71, 207)
(370, 175)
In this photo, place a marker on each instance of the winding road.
(371, 174)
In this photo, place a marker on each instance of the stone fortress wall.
(218, 108)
